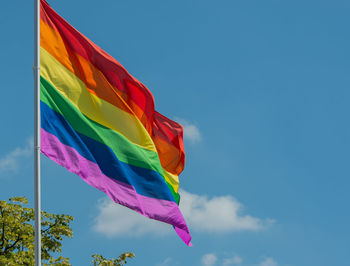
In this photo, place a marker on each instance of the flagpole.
(37, 126)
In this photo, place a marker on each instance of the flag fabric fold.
(99, 122)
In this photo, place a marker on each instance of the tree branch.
(3, 229)
(51, 226)
(14, 244)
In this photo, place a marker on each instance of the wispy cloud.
(166, 262)
(222, 215)
(268, 262)
(11, 161)
(235, 260)
(209, 259)
(191, 131)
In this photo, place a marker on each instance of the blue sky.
(263, 89)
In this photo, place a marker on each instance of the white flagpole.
(37, 127)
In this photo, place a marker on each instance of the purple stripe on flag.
(124, 194)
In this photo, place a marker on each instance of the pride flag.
(99, 122)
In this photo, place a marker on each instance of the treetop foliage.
(17, 234)
(17, 237)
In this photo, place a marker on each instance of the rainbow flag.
(99, 122)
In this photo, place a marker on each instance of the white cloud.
(235, 260)
(115, 220)
(191, 131)
(11, 161)
(209, 259)
(221, 215)
(268, 262)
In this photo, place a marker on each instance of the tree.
(98, 260)
(17, 236)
